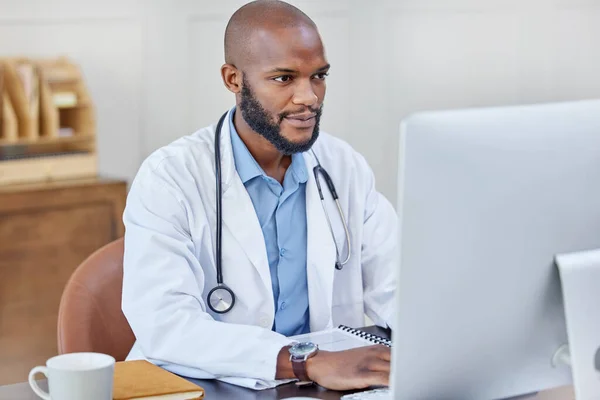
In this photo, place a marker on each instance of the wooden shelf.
(38, 99)
(48, 168)
(78, 138)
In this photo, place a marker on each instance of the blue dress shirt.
(281, 211)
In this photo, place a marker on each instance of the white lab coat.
(169, 263)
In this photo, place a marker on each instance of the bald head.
(258, 18)
(276, 66)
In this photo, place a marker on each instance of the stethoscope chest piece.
(221, 299)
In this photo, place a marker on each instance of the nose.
(305, 95)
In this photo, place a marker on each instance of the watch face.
(303, 349)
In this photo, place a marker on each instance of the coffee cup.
(76, 376)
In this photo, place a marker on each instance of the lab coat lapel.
(320, 262)
(239, 216)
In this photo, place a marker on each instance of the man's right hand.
(356, 368)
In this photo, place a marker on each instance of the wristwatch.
(299, 353)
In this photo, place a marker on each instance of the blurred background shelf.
(44, 140)
(47, 121)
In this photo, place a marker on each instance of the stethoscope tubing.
(318, 169)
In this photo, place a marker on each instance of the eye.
(322, 75)
(283, 78)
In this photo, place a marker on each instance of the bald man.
(234, 242)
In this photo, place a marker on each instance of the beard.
(261, 122)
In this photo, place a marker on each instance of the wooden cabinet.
(46, 231)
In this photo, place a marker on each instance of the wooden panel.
(67, 193)
(46, 231)
(48, 168)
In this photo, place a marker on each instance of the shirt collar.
(247, 167)
(245, 164)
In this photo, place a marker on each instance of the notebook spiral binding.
(375, 339)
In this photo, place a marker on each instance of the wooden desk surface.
(220, 390)
(217, 390)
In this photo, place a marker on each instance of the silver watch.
(299, 353)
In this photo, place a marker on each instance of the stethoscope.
(221, 298)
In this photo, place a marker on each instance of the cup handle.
(33, 383)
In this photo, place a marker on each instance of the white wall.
(152, 66)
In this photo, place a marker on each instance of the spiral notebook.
(342, 338)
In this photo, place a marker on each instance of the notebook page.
(333, 340)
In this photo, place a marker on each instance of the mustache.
(317, 111)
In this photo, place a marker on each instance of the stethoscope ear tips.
(338, 266)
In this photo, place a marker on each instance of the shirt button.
(282, 252)
(283, 306)
(264, 322)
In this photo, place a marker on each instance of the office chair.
(90, 316)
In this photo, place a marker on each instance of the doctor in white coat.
(269, 145)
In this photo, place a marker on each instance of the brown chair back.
(90, 316)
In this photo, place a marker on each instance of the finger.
(379, 365)
(368, 349)
(379, 379)
(374, 348)
(384, 352)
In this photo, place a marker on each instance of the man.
(279, 257)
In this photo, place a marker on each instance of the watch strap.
(299, 368)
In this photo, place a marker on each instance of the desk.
(219, 390)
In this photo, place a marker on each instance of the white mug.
(76, 376)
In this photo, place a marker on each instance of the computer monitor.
(487, 198)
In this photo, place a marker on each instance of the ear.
(232, 78)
